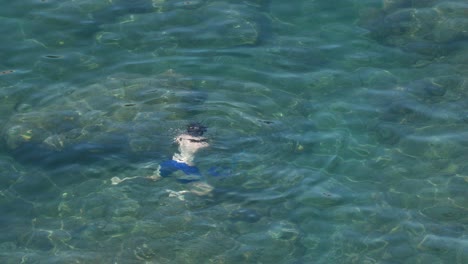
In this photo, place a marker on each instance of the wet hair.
(196, 129)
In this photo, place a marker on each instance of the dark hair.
(196, 129)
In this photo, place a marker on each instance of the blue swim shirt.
(170, 166)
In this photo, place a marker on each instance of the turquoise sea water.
(338, 130)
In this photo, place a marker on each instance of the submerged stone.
(377, 78)
(451, 29)
(10, 172)
(16, 135)
(426, 89)
(425, 48)
(55, 142)
(127, 207)
(245, 214)
(104, 120)
(452, 8)
(217, 25)
(400, 22)
(37, 240)
(426, 27)
(284, 230)
(387, 133)
(406, 112)
(192, 4)
(59, 236)
(36, 187)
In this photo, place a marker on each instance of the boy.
(189, 144)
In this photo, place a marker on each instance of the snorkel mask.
(196, 129)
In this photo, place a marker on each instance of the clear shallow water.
(338, 131)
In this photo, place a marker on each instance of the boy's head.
(196, 129)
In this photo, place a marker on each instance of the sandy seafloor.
(338, 131)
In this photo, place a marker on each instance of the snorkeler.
(189, 143)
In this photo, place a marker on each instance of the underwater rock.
(127, 207)
(17, 135)
(426, 89)
(440, 243)
(91, 231)
(405, 111)
(192, 4)
(460, 56)
(387, 133)
(132, 6)
(445, 212)
(291, 56)
(59, 235)
(245, 214)
(377, 78)
(456, 187)
(17, 213)
(7, 247)
(279, 241)
(284, 230)
(411, 25)
(217, 25)
(211, 245)
(426, 27)
(452, 8)
(400, 22)
(394, 4)
(37, 240)
(237, 24)
(425, 48)
(10, 172)
(36, 187)
(103, 120)
(451, 29)
(37, 126)
(125, 112)
(141, 248)
(54, 142)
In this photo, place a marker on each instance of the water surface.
(337, 131)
